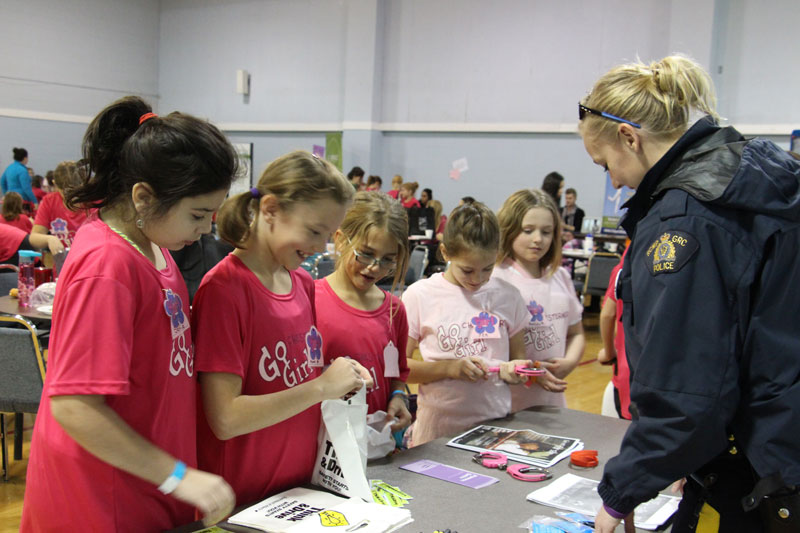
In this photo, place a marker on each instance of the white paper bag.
(342, 447)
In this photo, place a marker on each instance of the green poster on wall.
(333, 148)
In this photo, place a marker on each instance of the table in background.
(500, 507)
(10, 306)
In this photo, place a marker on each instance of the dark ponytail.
(178, 156)
(20, 154)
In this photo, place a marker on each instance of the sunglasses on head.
(583, 111)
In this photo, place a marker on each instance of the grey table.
(500, 507)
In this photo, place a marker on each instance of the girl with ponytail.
(114, 446)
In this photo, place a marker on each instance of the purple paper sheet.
(450, 473)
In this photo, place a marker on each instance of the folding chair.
(598, 272)
(21, 380)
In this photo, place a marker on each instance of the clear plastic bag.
(44, 294)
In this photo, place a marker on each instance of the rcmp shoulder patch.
(670, 252)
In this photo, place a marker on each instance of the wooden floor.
(584, 393)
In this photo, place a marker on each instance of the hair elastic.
(255, 192)
(145, 117)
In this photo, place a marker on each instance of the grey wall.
(413, 84)
(62, 62)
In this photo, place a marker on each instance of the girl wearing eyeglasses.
(465, 322)
(258, 349)
(710, 324)
(355, 317)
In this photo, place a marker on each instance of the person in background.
(258, 349)
(114, 446)
(530, 260)
(613, 351)
(356, 178)
(53, 215)
(374, 183)
(355, 317)
(710, 329)
(464, 322)
(16, 178)
(571, 214)
(407, 191)
(12, 240)
(553, 184)
(439, 219)
(12, 212)
(37, 183)
(425, 197)
(397, 181)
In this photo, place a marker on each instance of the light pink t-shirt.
(444, 318)
(270, 341)
(120, 330)
(553, 307)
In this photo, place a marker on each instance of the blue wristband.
(398, 391)
(174, 479)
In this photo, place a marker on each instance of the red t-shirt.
(242, 328)
(10, 239)
(59, 220)
(120, 330)
(622, 373)
(22, 222)
(393, 193)
(39, 193)
(364, 336)
(411, 202)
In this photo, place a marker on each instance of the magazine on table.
(302, 510)
(575, 493)
(522, 445)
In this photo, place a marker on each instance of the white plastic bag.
(342, 447)
(380, 441)
(44, 294)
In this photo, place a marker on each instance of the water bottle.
(26, 281)
(588, 243)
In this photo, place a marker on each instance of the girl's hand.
(550, 383)
(559, 367)
(508, 374)
(208, 492)
(342, 377)
(397, 408)
(54, 244)
(468, 369)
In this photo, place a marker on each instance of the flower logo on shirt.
(174, 308)
(536, 311)
(314, 345)
(484, 322)
(58, 225)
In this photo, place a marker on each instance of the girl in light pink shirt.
(465, 322)
(530, 255)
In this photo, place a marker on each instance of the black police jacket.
(711, 310)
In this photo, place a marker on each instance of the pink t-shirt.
(553, 307)
(444, 319)
(22, 222)
(393, 193)
(59, 221)
(366, 336)
(120, 330)
(622, 372)
(10, 239)
(268, 340)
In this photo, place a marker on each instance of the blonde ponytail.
(660, 96)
